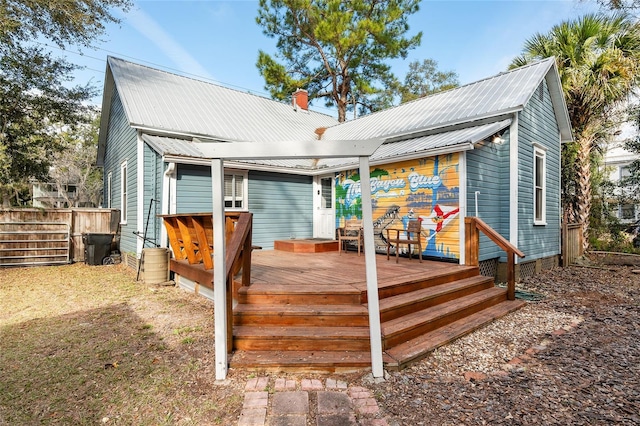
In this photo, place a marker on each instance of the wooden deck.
(307, 311)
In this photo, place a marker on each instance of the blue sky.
(219, 40)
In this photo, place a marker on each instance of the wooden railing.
(473, 227)
(191, 238)
(191, 235)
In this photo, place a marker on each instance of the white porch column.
(219, 269)
(375, 332)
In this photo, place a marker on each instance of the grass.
(88, 344)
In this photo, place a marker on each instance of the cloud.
(149, 28)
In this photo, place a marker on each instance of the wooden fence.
(572, 243)
(79, 221)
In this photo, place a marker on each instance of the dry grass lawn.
(88, 344)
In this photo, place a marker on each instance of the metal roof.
(180, 109)
(173, 146)
(166, 102)
(501, 94)
(451, 141)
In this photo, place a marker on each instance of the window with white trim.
(123, 192)
(539, 186)
(625, 172)
(109, 180)
(235, 190)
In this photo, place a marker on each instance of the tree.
(335, 49)
(424, 79)
(34, 97)
(598, 61)
(626, 5)
(75, 166)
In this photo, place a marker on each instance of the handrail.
(197, 248)
(237, 254)
(239, 246)
(472, 249)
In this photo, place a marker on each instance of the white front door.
(324, 218)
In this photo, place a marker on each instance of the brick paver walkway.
(287, 402)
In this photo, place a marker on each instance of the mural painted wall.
(425, 189)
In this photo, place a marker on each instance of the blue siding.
(538, 125)
(193, 189)
(282, 207)
(488, 172)
(153, 169)
(121, 146)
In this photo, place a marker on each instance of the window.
(109, 177)
(123, 192)
(326, 193)
(627, 212)
(539, 186)
(235, 191)
(625, 172)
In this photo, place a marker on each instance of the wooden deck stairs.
(308, 311)
(308, 327)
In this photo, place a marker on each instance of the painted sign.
(426, 190)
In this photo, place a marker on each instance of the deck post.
(375, 331)
(219, 268)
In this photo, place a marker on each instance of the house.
(47, 195)
(617, 161)
(489, 149)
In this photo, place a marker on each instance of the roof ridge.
(433, 95)
(210, 83)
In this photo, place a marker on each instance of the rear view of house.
(489, 148)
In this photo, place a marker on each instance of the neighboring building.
(46, 195)
(617, 161)
(491, 147)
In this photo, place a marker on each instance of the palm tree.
(598, 62)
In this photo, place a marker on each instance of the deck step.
(301, 294)
(419, 347)
(298, 338)
(412, 325)
(303, 361)
(402, 284)
(301, 315)
(406, 303)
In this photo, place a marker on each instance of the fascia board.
(456, 124)
(289, 149)
(107, 97)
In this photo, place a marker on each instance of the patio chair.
(412, 237)
(352, 231)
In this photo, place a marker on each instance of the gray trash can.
(96, 248)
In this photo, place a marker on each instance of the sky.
(219, 40)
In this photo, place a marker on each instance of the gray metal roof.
(165, 102)
(173, 146)
(181, 108)
(501, 94)
(451, 141)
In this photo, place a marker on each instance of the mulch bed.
(584, 373)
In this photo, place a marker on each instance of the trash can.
(96, 248)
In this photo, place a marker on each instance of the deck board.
(331, 269)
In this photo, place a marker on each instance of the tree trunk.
(582, 208)
(342, 112)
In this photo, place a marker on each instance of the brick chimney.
(300, 99)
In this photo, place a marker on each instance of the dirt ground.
(585, 373)
(88, 344)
